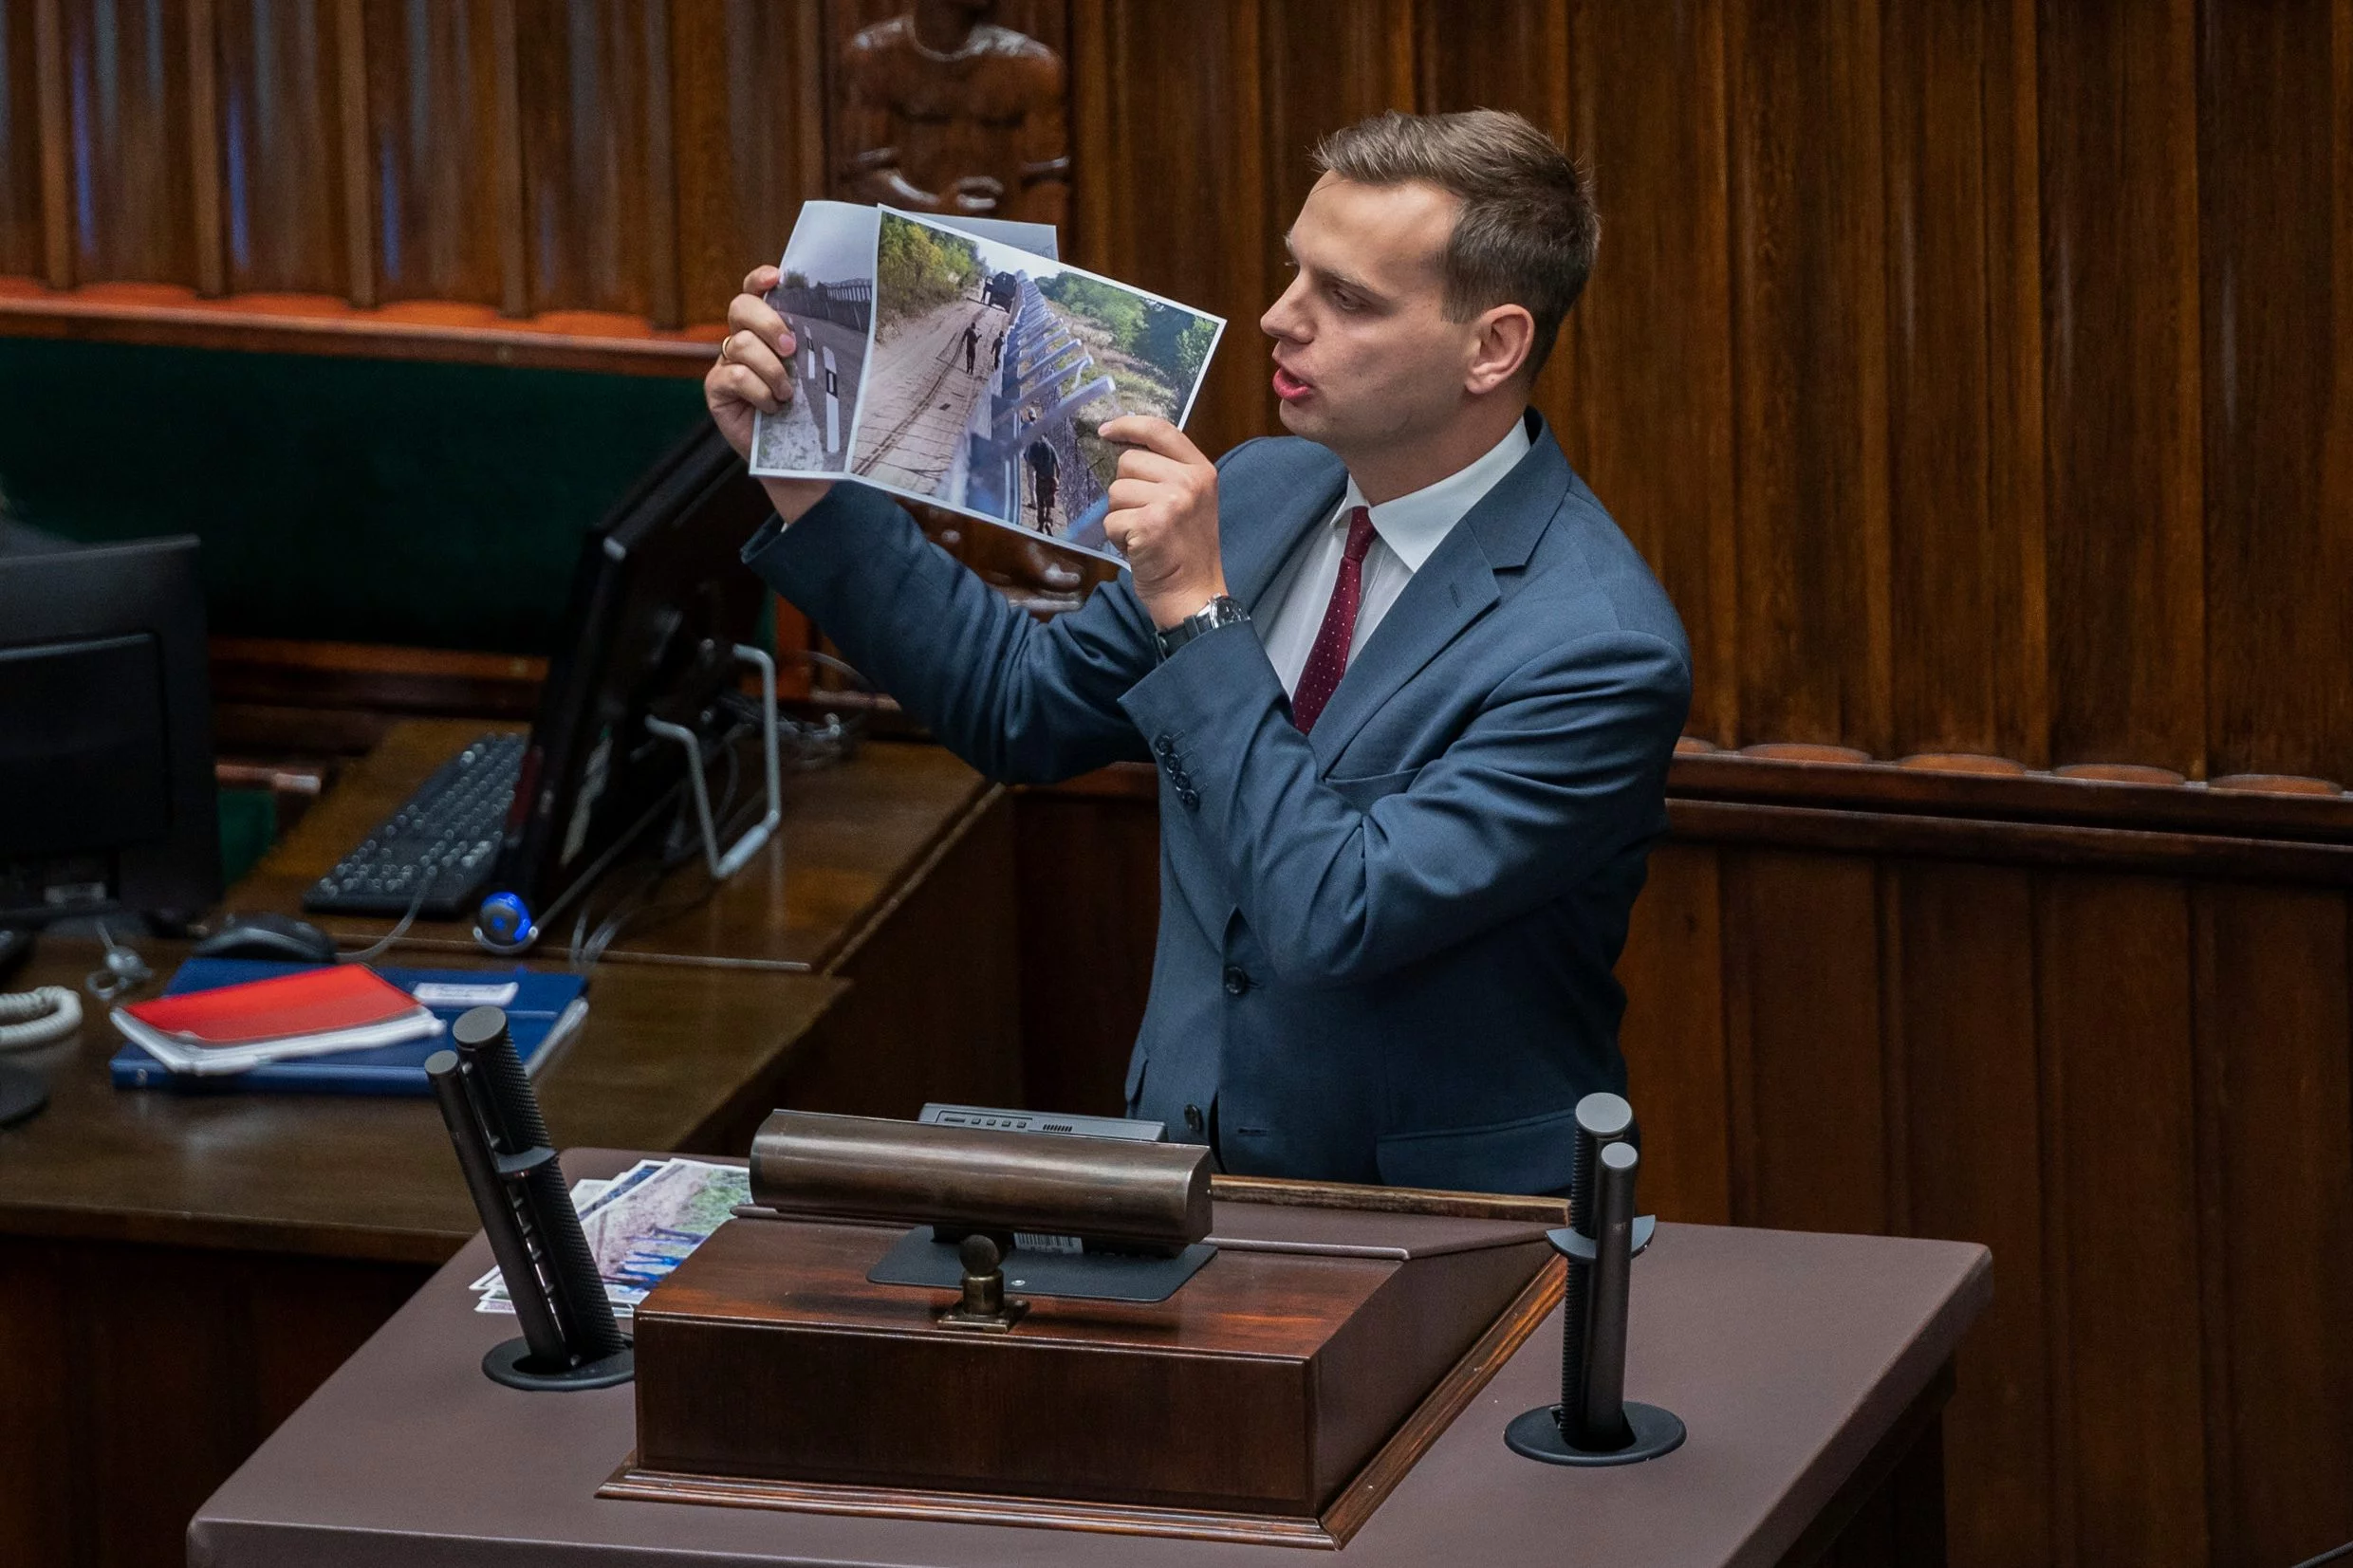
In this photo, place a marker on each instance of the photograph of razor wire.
(994, 369)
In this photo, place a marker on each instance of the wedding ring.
(723, 346)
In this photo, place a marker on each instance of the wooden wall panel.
(583, 67)
(1963, 1004)
(128, 199)
(434, 152)
(1803, 1036)
(2115, 1025)
(1809, 339)
(2276, 1218)
(2119, 140)
(2136, 1089)
(21, 242)
(282, 176)
(2276, 223)
(1641, 385)
(749, 73)
(1194, 140)
(1674, 1038)
(1965, 544)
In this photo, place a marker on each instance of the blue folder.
(543, 1013)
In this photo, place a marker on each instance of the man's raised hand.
(1164, 517)
(752, 374)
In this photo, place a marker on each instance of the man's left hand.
(1164, 518)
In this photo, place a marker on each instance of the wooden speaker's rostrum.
(1277, 1396)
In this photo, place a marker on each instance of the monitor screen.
(105, 734)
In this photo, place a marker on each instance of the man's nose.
(1282, 318)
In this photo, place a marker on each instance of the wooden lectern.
(1277, 1395)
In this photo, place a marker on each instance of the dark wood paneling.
(94, 1390)
(1673, 1036)
(2120, 250)
(1968, 370)
(2122, 1261)
(1195, 140)
(1965, 546)
(583, 88)
(282, 189)
(1803, 1032)
(2276, 1218)
(1964, 987)
(125, 125)
(432, 118)
(2275, 224)
(1809, 338)
(21, 244)
(1641, 385)
(749, 150)
(1086, 941)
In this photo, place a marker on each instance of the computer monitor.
(660, 599)
(106, 733)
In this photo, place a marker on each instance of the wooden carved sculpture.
(948, 112)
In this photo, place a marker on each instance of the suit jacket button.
(1237, 980)
(1194, 1121)
(1162, 745)
(1191, 796)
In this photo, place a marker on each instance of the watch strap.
(1224, 610)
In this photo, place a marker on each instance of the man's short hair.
(1528, 228)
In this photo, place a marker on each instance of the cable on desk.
(384, 943)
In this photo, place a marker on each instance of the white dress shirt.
(1406, 531)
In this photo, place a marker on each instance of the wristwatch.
(1225, 610)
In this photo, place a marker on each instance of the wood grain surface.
(1968, 372)
(2125, 1074)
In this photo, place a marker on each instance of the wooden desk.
(178, 1272)
(853, 836)
(894, 870)
(1810, 1370)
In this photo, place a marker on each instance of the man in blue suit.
(1411, 693)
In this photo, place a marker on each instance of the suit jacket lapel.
(1254, 560)
(1453, 588)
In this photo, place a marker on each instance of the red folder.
(330, 1000)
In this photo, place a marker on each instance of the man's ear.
(1505, 335)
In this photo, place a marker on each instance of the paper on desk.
(642, 1226)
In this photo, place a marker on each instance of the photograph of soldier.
(1043, 466)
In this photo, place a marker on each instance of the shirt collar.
(1412, 525)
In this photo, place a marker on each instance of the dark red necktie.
(1329, 660)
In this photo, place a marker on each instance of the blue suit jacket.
(1385, 948)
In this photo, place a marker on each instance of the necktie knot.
(1360, 535)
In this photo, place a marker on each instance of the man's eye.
(1346, 301)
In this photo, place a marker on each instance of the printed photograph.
(994, 370)
(828, 295)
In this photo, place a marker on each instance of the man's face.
(1364, 356)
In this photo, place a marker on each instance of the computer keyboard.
(444, 837)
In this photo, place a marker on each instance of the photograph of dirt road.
(828, 297)
(992, 370)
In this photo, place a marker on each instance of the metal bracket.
(727, 865)
(1568, 1244)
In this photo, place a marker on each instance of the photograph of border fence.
(992, 370)
(827, 296)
